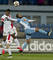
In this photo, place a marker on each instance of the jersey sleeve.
(11, 19)
(2, 18)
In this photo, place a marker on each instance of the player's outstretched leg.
(43, 31)
(18, 44)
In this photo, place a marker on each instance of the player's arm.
(28, 19)
(15, 20)
(11, 19)
(31, 21)
(2, 18)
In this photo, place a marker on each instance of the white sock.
(9, 51)
(17, 42)
(0, 50)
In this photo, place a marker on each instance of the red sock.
(3, 51)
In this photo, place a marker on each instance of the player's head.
(18, 16)
(7, 12)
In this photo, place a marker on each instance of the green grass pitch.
(27, 57)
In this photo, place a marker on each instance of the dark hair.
(17, 16)
(8, 10)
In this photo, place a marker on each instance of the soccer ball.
(16, 3)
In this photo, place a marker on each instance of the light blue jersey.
(24, 22)
(28, 30)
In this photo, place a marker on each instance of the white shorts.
(10, 31)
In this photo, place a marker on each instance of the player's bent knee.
(28, 41)
(13, 35)
(7, 45)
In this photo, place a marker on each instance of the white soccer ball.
(16, 3)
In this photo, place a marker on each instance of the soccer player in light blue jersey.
(28, 30)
